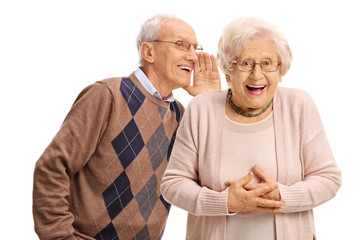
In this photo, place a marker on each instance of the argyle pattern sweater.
(99, 177)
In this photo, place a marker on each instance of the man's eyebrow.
(184, 40)
(180, 37)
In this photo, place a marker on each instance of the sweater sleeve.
(321, 175)
(68, 152)
(182, 184)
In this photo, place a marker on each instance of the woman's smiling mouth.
(255, 89)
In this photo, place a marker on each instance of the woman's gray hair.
(237, 35)
(150, 31)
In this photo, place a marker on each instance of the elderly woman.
(251, 162)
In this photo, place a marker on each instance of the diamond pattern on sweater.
(147, 197)
(131, 94)
(143, 234)
(118, 195)
(162, 112)
(158, 146)
(134, 205)
(175, 108)
(171, 145)
(107, 233)
(128, 143)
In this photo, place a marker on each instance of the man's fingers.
(205, 61)
(214, 66)
(202, 60)
(197, 63)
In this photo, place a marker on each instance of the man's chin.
(186, 83)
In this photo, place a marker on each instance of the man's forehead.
(177, 28)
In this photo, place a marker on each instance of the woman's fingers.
(253, 186)
(264, 209)
(261, 174)
(258, 197)
(242, 181)
(242, 200)
(263, 189)
(266, 203)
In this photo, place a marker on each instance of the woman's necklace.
(236, 109)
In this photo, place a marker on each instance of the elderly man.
(99, 177)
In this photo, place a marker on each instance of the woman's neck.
(234, 116)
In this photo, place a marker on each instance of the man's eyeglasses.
(183, 45)
(248, 65)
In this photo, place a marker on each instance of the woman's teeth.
(255, 87)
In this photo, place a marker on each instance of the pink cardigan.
(307, 173)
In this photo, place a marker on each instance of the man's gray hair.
(150, 31)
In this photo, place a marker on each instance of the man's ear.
(147, 51)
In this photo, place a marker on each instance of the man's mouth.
(255, 89)
(185, 68)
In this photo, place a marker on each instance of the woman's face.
(252, 91)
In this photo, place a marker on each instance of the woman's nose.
(257, 73)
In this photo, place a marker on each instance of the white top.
(244, 145)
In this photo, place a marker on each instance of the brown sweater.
(99, 177)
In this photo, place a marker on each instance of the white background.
(51, 50)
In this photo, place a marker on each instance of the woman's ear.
(147, 52)
(227, 78)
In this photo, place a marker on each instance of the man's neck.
(159, 84)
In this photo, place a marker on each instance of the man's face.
(173, 66)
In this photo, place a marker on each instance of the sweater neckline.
(150, 97)
(249, 127)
